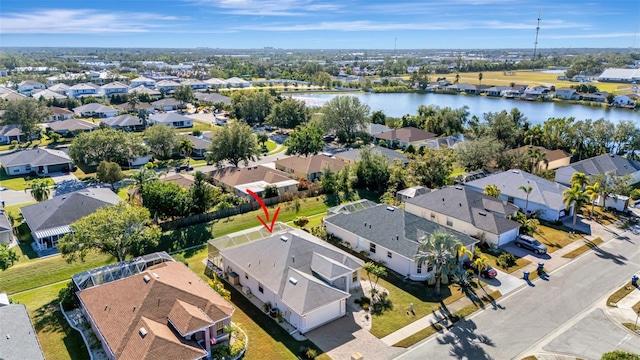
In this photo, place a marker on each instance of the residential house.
(171, 119)
(47, 95)
(390, 235)
(95, 110)
(141, 309)
(83, 90)
(19, 339)
(353, 156)
(113, 88)
(144, 82)
(39, 160)
(567, 94)
(469, 212)
(168, 86)
(213, 98)
(26, 87)
(168, 104)
(598, 96)
(535, 92)
(50, 220)
(71, 126)
(155, 94)
(60, 88)
(446, 142)
(9, 133)
(216, 83)
(183, 180)
(411, 192)
(237, 82)
(603, 164)
(254, 178)
(124, 122)
(402, 138)
(496, 90)
(195, 84)
(554, 158)
(545, 198)
(375, 129)
(10, 95)
(200, 145)
(150, 109)
(59, 113)
(6, 227)
(465, 88)
(309, 167)
(304, 278)
(628, 100)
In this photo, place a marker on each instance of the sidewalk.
(550, 265)
(623, 312)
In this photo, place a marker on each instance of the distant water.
(397, 105)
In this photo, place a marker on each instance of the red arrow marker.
(266, 212)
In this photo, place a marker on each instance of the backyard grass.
(555, 237)
(588, 244)
(58, 340)
(620, 294)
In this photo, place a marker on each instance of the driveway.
(504, 282)
(61, 177)
(524, 253)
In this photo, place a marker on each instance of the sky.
(320, 24)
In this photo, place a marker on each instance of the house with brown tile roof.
(254, 178)
(59, 113)
(162, 312)
(402, 138)
(309, 167)
(554, 158)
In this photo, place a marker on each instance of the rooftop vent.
(155, 275)
(293, 281)
(365, 224)
(284, 238)
(482, 213)
(146, 278)
(142, 332)
(391, 208)
(515, 171)
(8, 337)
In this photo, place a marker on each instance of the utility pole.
(535, 44)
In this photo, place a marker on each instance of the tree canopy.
(305, 140)
(431, 169)
(345, 115)
(289, 113)
(119, 230)
(235, 142)
(251, 106)
(162, 140)
(7, 256)
(166, 199)
(372, 171)
(89, 148)
(184, 94)
(109, 172)
(27, 114)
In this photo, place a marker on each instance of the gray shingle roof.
(396, 230)
(213, 98)
(65, 209)
(35, 157)
(272, 262)
(603, 164)
(10, 130)
(198, 143)
(72, 125)
(168, 117)
(19, 339)
(122, 120)
(543, 191)
(354, 154)
(5, 223)
(469, 206)
(94, 107)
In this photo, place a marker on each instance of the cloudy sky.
(353, 24)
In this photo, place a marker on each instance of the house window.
(389, 255)
(449, 221)
(219, 328)
(510, 199)
(260, 288)
(354, 277)
(433, 216)
(372, 248)
(419, 270)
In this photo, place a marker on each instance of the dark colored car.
(528, 242)
(183, 168)
(488, 272)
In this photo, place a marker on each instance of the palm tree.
(579, 179)
(186, 147)
(533, 135)
(143, 176)
(39, 190)
(593, 191)
(143, 115)
(527, 190)
(440, 251)
(133, 101)
(480, 78)
(492, 190)
(576, 198)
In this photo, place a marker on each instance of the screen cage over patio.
(214, 246)
(351, 207)
(123, 269)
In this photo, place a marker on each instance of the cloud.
(82, 21)
(270, 7)
(589, 36)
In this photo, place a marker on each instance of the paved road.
(523, 319)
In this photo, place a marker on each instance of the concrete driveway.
(524, 253)
(504, 282)
(60, 177)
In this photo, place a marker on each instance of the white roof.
(620, 74)
(215, 81)
(259, 186)
(95, 107)
(115, 85)
(84, 86)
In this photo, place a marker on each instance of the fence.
(236, 210)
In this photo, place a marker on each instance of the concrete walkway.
(623, 312)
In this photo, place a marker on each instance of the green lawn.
(555, 237)
(58, 340)
(271, 145)
(620, 294)
(19, 182)
(584, 248)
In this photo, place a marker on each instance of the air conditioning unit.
(246, 290)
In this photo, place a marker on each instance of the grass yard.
(555, 237)
(620, 294)
(58, 340)
(19, 182)
(600, 215)
(588, 245)
(271, 145)
(493, 261)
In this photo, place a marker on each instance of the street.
(536, 315)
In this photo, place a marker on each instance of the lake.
(397, 105)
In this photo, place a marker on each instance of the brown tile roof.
(311, 164)
(118, 308)
(188, 318)
(407, 134)
(183, 180)
(231, 176)
(60, 111)
(551, 155)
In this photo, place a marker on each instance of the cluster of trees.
(106, 144)
(26, 114)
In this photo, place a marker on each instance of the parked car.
(183, 168)
(530, 243)
(488, 272)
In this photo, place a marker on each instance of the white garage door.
(322, 315)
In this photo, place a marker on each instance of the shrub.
(236, 348)
(301, 221)
(507, 260)
(67, 297)
(365, 307)
(218, 286)
(311, 353)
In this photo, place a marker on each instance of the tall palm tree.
(133, 101)
(533, 135)
(579, 179)
(143, 115)
(480, 78)
(593, 191)
(186, 147)
(440, 251)
(141, 177)
(540, 158)
(527, 190)
(39, 190)
(492, 190)
(576, 198)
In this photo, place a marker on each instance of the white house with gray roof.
(468, 212)
(10, 132)
(171, 119)
(603, 164)
(95, 110)
(306, 279)
(545, 197)
(389, 235)
(19, 340)
(39, 160)
(50, 220)
(353, 156)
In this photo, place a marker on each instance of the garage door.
(58, 168)
(322, 316)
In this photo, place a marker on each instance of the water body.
(397, 105)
